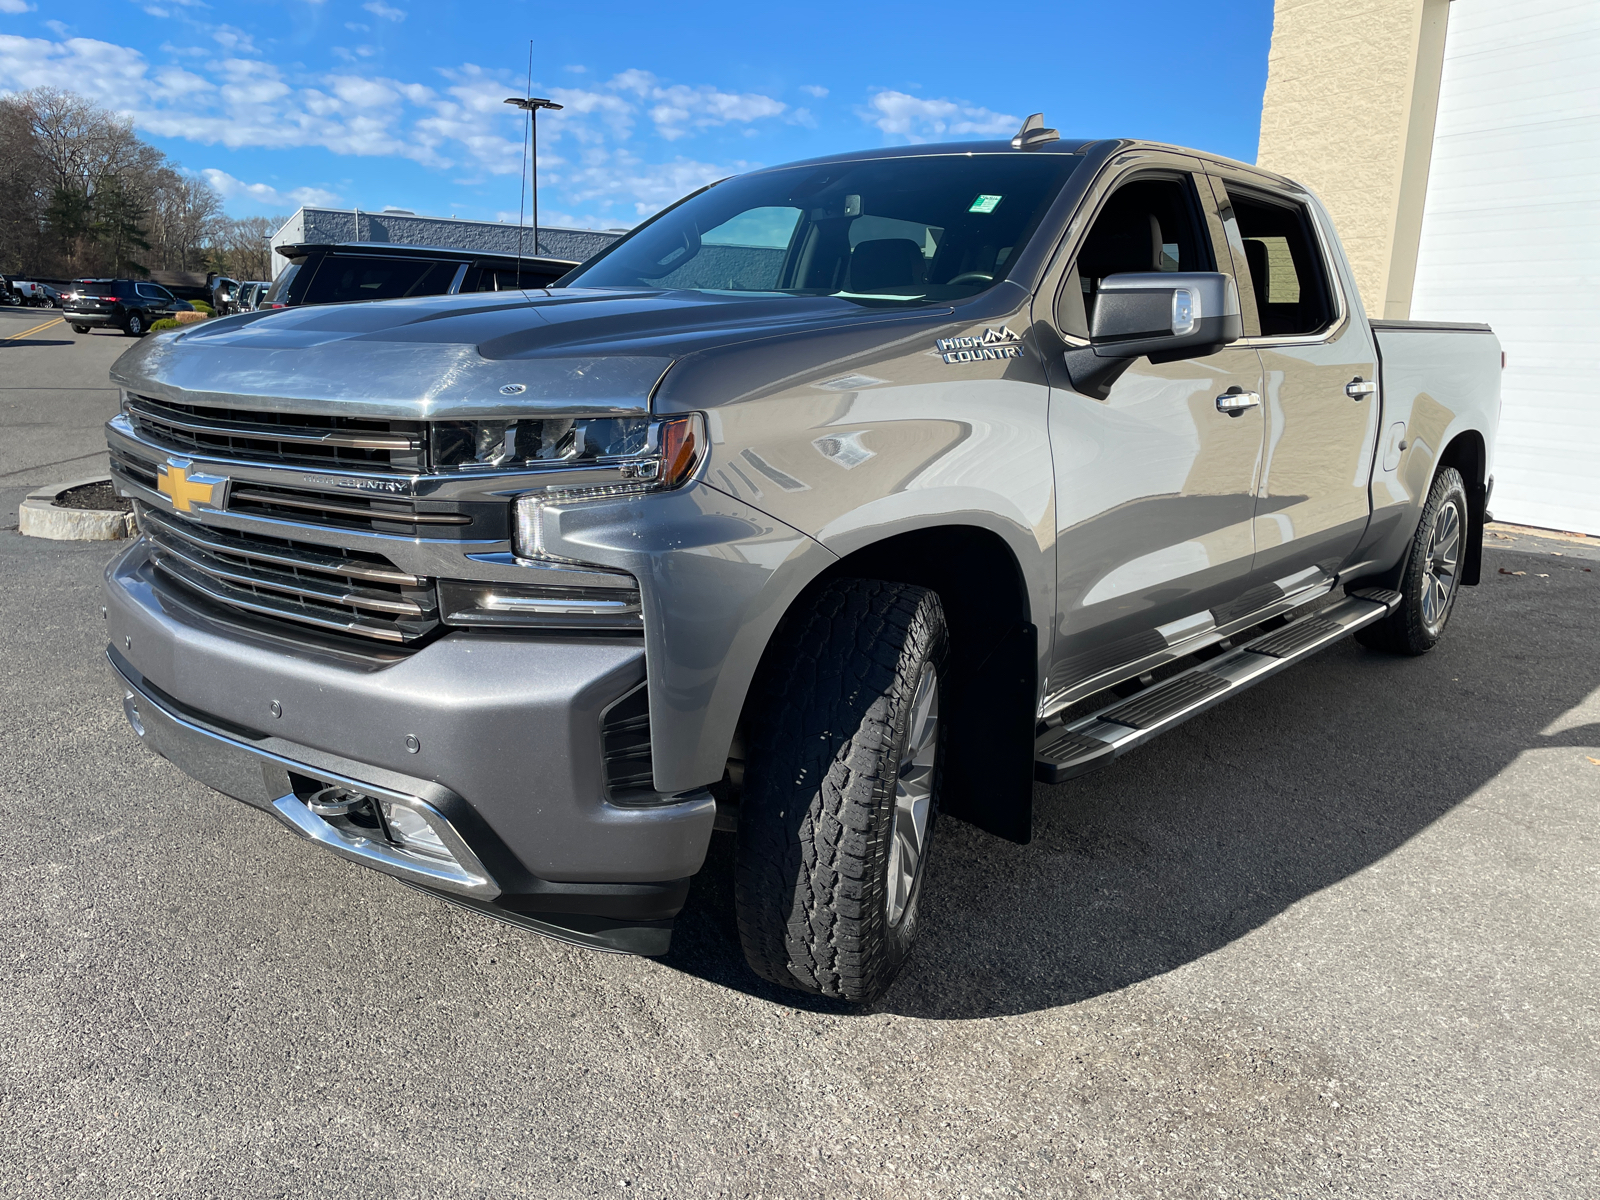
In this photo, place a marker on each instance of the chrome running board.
(1091, 742)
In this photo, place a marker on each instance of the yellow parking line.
(11, 337)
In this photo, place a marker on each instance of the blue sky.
(382, 103)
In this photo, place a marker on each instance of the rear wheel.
(134, 327)
(841, 789)
(1432, 576)
(80, 329)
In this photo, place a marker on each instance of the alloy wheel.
(913, 794)
(1441, 570)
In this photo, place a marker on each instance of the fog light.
(410, 830)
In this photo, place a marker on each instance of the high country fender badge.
(991, 343)
(185, 487)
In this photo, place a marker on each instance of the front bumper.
(506, 757)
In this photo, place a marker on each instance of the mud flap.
(988, 766)
(1477, 518)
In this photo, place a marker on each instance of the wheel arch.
(992, 688)
(1468, 453)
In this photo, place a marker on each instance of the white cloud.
(57, 28)
(178, 82)
(235, 40)
(387, 11)
(15, 7)
(812, 89)
(357, 27)
(265, 194)
(604, 176)
(919, 120)
(588, 153)
(362, 93)
(678, 110)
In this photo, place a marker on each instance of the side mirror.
(1165, 315)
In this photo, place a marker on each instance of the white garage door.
(1511, 235)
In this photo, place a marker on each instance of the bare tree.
(240, 248)
(84, 194)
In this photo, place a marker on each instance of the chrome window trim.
(1335, 329)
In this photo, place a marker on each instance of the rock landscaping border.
(40, 516)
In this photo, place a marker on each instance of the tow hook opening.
(411, 831)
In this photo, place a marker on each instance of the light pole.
(531, 105)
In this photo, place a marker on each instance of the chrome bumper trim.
(261, 778)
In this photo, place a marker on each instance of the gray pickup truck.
(836, 496)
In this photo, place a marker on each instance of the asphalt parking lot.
(1335, 938)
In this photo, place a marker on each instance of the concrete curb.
(39, 517)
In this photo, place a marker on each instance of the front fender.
(715, 577)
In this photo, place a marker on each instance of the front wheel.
(841, 788)
(1432, 577)
(135, 325)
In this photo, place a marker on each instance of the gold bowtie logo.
(185, 488)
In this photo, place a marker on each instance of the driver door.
(1155, 486)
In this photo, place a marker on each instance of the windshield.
(903, 230)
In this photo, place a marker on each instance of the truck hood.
(579, 350)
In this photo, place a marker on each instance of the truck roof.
(1102, 147)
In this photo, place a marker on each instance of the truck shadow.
(1207, 834)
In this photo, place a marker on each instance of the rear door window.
(342, 279)
(1288, 275)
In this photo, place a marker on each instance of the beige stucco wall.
(1352, 87)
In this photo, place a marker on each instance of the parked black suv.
(130, 305)
(340, 273)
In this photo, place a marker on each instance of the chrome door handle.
(1358, 388)
(1235, 402)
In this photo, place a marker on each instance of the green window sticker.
(985, 204)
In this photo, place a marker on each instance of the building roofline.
(415, 216)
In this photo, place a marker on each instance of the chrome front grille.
(342, 591)
(345, 511)
(271, 438)
(375, 512)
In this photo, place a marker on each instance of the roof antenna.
(1033, 133)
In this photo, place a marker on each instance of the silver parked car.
(837, 497)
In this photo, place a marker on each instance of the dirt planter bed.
(86, 510)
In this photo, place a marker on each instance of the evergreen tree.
(119, 225)
(70, 217)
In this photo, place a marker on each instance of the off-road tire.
(80, 329)
(832, 706)
(1406, 630)
(134, 326)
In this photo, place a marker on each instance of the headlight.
(539, 442)
(670, 454)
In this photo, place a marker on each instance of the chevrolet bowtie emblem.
(185, 487)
